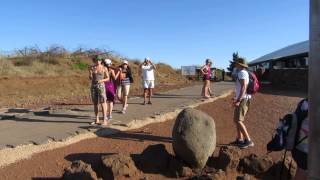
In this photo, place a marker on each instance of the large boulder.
(118, 166)
(255, 165)
(194, 137)
(79, 170)
(229, 158)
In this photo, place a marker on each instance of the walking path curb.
(12, 155)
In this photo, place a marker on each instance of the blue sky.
(176, 32)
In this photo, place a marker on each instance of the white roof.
(294, 49)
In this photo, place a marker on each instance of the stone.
(194, 137)
(246, 177)
(219, 175)
(289, 168)
(229, 158)
(255, 165)
(215, 175)
(118, 166)
(79, 170)
(153, 159)
(178, 169)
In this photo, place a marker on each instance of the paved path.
(20, 126)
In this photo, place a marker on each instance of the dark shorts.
(301, 158)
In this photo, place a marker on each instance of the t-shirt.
(147, 72)
(243, 74)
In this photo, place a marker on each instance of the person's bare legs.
(203, 89)
(243, 130)
(239, 134)
(124, 101)
(96, 112)
(150, 94)
(206, 88)
(145, 92)
(110, 108)
(104, 110)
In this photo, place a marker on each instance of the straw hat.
(242, 62)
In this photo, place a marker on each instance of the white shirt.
(243, 74)
(147, 72)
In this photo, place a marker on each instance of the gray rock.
(194, 137)
(79, 170)
(229, 158)
(255, 165)
(118, 166)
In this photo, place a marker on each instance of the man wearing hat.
(242, 103)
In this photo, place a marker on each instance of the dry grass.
(47, 78)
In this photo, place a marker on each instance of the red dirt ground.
(265, 111)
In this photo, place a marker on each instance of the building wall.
(289, 78)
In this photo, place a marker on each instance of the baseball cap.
(108, 61)
(125, 62)
(147, 59)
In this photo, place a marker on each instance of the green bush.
(80, 66)
(23, 61)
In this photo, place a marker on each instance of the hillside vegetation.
(32, 77)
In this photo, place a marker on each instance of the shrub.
(80, 66)
(22, 61)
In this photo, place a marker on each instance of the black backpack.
(287, 133)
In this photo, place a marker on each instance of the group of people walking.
(109, 83)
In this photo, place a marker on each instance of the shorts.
(148, 84)
(241, 110)
(98, 94)
(123, 90)
(301, 158)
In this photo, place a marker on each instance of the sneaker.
(237, 142)
(150, 102)
(110, 117)
(246, 144)
(123, 111)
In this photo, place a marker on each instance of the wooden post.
(314, 91)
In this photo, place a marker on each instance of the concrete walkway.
(22, 126)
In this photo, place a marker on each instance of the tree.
(235, 57)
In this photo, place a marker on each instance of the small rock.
(229, 158)
(79, 170)
(219, 175)
(246, 177)
(154, 158)
(289, 168)
(178, 169)
(117, 166)
(194, 137)
(252, 164)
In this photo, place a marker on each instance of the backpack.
(254, 84)
(287, 132)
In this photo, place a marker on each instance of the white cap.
(147, 59)
(108, 61)
(125, 62)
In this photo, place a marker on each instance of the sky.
(176, 32)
